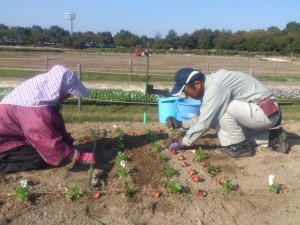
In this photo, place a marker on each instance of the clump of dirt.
(146, 175)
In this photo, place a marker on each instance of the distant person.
(238, 106)
(32, 130)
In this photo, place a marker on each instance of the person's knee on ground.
(23, 158)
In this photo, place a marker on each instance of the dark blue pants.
(20, 159)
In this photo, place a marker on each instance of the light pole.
(71, 17)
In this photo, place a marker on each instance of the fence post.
(251, 72)
(130, 69)
(79, 76)
(274, 71)
(207, 70)
(46, 64)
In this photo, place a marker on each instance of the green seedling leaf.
(211, 169)
(73, 192)
(174, 187)
(169, 171)
(275, 188)
(122, 172)
(162, 158)
(200, 156)
(120, 157)
(127, 191)
(156, 147)
(22, 193)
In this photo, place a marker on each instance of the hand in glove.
(176, 145)
(86, 157)
(172, 122)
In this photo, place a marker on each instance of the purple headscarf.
(47, 89)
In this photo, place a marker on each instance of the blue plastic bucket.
(166, 107)
(187, 108)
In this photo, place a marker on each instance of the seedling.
(169, 171)
(174, 187)
(275, 188)
(148, 131)
(226, 186)
(211, 169)
(156, 147)
(120, 147)
(122, 172)
(127, 191)
(120, 157)
(200, 156)
(22, 193)
(162, 158)
(118, 131)
(92, 131)
(73, 192)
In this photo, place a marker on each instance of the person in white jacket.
(238, 106)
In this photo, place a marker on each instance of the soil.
(251, 202)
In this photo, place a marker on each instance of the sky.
(141, 17)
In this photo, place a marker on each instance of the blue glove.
(176, 145)
(172, 122)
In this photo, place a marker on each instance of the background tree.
(205, 38)
(171, 40)
(55, 34)
(226, 40)
(292, 27)
(105, 39)
(187, 41)
(157, 40)
(270, 41)
(126, 39)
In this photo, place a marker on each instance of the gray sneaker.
(277, 142)
(236, 151)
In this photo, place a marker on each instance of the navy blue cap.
(184, 76)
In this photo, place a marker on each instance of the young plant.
(211, 169)
(226, 186)
(127, 191)
(73, 192)
(156, 147)
(118, 131)
(200, 156)
(169, 171)
(120, 147)
(162, 158)
(120, 157)
(174, 187)
(22, 193)
(149, 131)
(122, 172)
(275, 188)
(92, 131)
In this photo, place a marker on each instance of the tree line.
(272, 40)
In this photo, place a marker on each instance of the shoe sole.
(242, 155)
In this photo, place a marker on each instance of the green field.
(135, 113)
